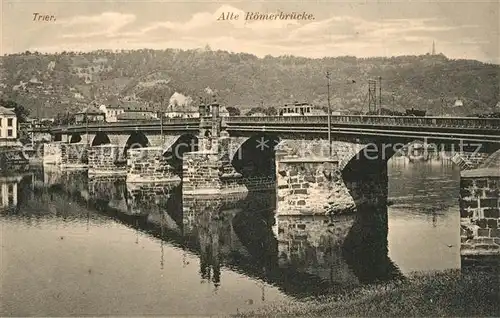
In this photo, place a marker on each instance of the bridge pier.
(205, 174)
(310, 181)
(480, 214)
(74, 156)
(149, 165)
(104, 160)
(65, 155)
(209, 170)
(52, 153)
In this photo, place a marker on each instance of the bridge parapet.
(465, 122)
(145, 125)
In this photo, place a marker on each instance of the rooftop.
(135, 115)
(91, 109)
(6, 111)
(134, 106)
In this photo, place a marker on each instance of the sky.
(460, 29)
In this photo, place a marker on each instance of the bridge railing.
(135, 123)
(459, 122)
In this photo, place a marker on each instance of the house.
(111, 112)
(335, 112)
(320, 112)
(223, 112)
(176, 109)
(136, 110)
(181, 114)
(8, 124)
(136, 115)
(90, 114)
(458, 103)
(258, 114)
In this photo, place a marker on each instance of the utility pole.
(380, 93)
(161, 119)
(329, 116)
(87, 124)
(372, 95)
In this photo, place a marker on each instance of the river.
(97, 247)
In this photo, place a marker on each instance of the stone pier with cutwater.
(217, 155)
(104, 160)
(208, 171)
(480, 213)
(149, 165)
(66, 155)
(310, 180)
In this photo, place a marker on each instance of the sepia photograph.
(270, 158)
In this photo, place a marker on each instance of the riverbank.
(445, 294)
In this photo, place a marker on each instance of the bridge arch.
(136, 140)
(176, 146)
(75, 138)
(101, 138)
(464, 155)
(255, 156)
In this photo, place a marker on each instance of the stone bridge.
(313, 169)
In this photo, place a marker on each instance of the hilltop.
(50, 84)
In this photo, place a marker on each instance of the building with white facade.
(8, 124)
(112, 112)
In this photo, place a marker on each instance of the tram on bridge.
(299, 109)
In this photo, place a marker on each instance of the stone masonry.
(311, 182)
(305, 186)
(52, 153)
(74, 155)
(204, 173)
(480, 211)
(149, 165)
(103, 160)
(313, 243)
(66, 155)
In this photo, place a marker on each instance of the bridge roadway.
(468, 129)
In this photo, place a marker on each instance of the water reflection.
(218, 238)
(8, 191)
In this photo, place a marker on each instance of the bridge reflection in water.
(302, 255)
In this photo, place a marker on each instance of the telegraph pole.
(87, 124)
(380, 93)
(372, 92)
(161, 119)
(329, 116)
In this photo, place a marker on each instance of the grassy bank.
(447, 293)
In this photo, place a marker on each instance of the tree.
(21, 112)
(63, 119)
(270, 111)
(233, 111)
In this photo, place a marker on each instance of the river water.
(100, 247)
